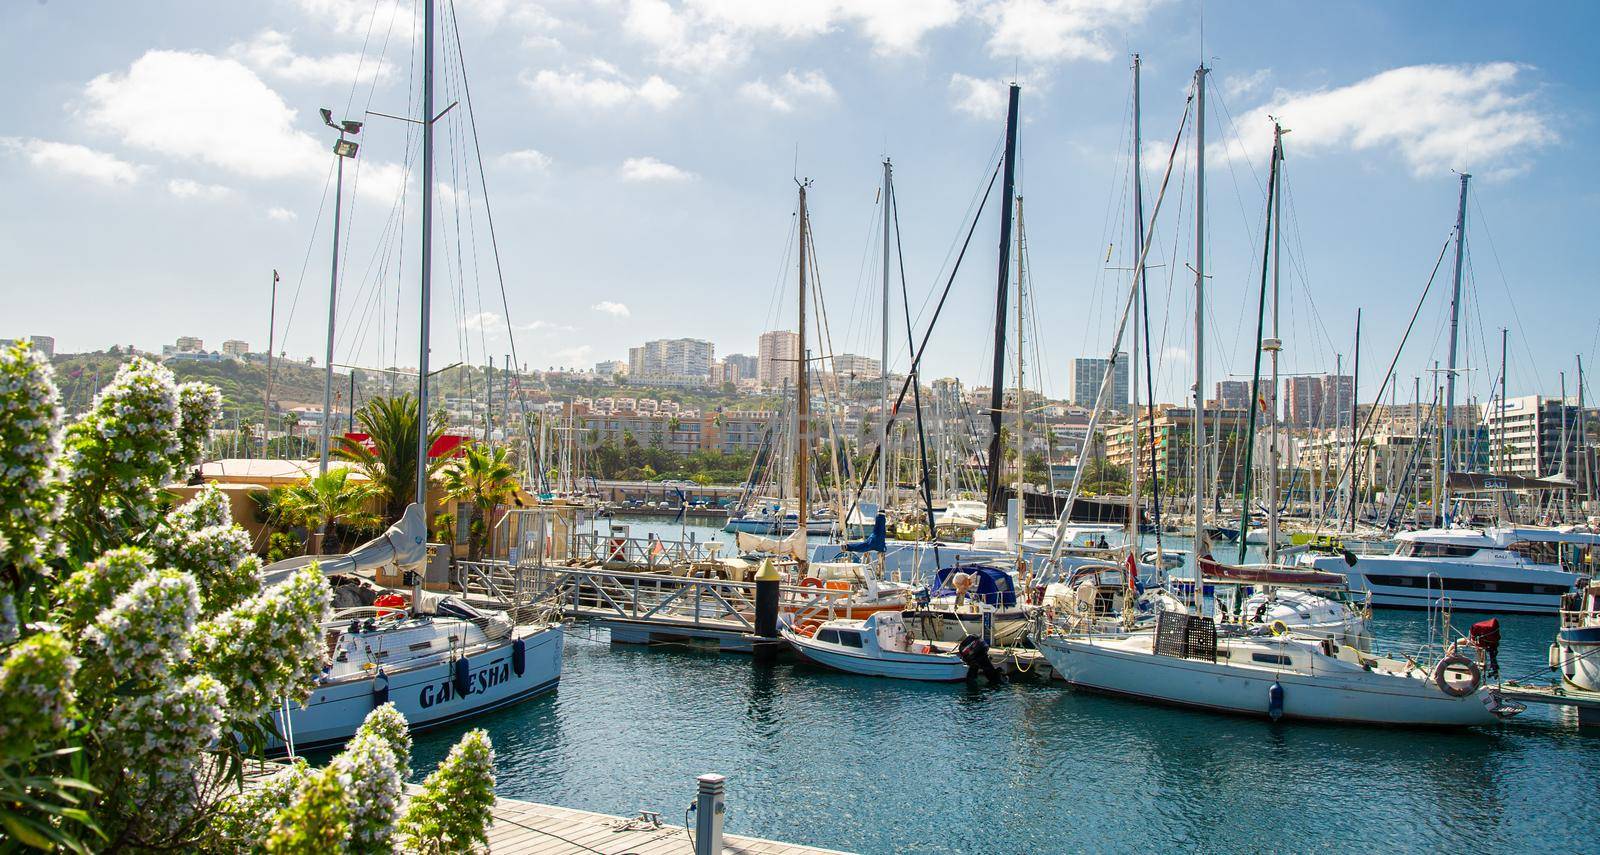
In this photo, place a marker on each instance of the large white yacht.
(1512, 569)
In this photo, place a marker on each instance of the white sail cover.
(404, 545)
(794, 545)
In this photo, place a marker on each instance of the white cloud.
(358, 19)
(199, 107)
(1059, 30)
(609, 307)
(1242, 85)
(651, 169)
(550, 326)
(978, 97)
(75, 160)
(282, 215)
(711, 35)
(1437, 117)
(530, 159)
(185, 188)
(482, 322)
(789, 89)
(271, 53)
(606, 90)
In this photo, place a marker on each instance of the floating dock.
(1585, 702)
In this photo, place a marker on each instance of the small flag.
(1133, 571)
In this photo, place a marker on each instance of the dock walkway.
(529, 828)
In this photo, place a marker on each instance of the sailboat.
(1191, 660)
(437, 659)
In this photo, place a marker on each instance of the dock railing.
(598, 593)
(648, 552)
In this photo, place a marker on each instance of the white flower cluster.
(35, 692)
(451, 812)
(146, 628)
(270, 645)
(10, 628)
(389, 724)
(30, 442)
(162, 738)
(95, 585)
(367, 771)
(242, 821)
(199, 404)
(199, 537)
(123, 451)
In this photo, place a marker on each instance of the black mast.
(997, 386)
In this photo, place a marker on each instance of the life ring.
(1279, 628)
(811, 582)
(1456, 689)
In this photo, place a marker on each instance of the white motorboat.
(878, 646)
(1576, 652)
(1185, 663)
(438, 659)
(1513, 569)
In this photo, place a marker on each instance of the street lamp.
(342, 149)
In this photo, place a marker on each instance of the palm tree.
(485, 477)
(330, 498)
(391, 462)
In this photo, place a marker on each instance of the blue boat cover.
(877, 542)
(994, 584)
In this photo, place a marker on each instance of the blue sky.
(160, 159)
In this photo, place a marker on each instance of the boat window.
(1424, 549)
(828, 636)
(850, 639)
(1270, 658)
(1537, 551)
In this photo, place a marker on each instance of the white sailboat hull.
(943, 668)
(1126, 667)
(427, 694)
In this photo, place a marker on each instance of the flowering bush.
(138, 655)
(271, 644)
(452, 812)
(30, 442)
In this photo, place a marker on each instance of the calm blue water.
(885, 766)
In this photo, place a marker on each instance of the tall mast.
(1443, 488)
(427, 253)
(883, 365)
(1355, 453)
(266, 402)
(802, 391)
(1133, 349)
(997, 384)
(333, 306)
(1275, 346)
(1201, 539)
(1502, 449)
(1021, 298)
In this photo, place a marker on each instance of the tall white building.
(777, 353)
(1085, 375)
(671, 357)
(235, 347)
(1528, 439)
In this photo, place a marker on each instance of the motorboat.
(1185, 662)
(436, 658)
(1507, 569)
(1576, 652)
(878, 646)
(771, 519)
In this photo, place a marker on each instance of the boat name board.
(478, 681)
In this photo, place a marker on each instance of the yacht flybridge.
(1512, 569)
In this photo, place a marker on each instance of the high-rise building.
(671, 357)
(1338, 396)
(1233, 394)
(45, 344)
(611, 368)
(1528, 439)
(857, 368)
(189, 343)
(777, 353)
(1303, 402)
(738, 366)
(1086, 373)
(235, 347)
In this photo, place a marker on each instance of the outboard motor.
(975, 654)
(1485, 635)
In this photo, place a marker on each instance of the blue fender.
(1275, 701)
(463, 681)
(380, 689)
(519, 656)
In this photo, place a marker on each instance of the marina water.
(871, 765)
